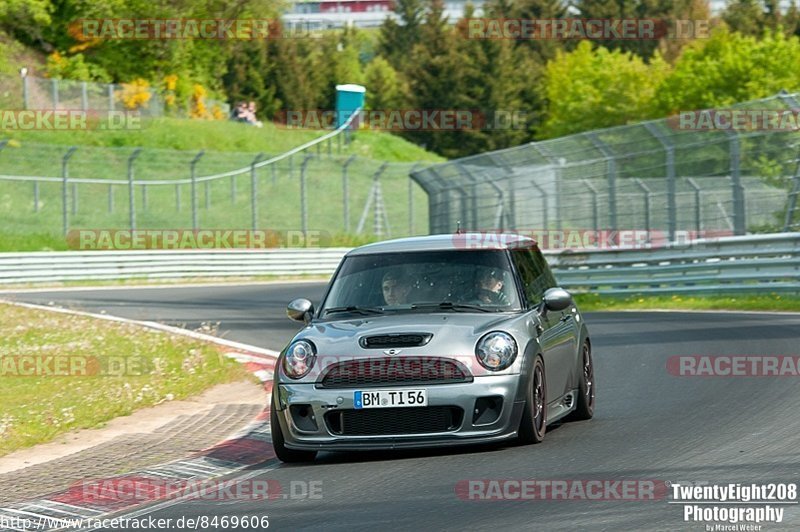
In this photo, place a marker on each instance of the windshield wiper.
(354, 308)
(449, 305)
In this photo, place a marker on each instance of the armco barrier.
(747, 264)
(152, 264)
(757, 263)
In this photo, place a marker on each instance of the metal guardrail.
(759, 263)
(160, 264)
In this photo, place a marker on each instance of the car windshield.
(423, 281)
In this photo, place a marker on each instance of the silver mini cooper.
(432, 342)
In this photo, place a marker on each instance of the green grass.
(36, 409)
(225, 136)
(769, 302)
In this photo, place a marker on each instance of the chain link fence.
(52, 189)
(31, 92)
(659, 175)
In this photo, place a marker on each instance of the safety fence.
(689, 172)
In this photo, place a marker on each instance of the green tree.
(666, 12)
(398, 37)
(250, 76)
(385, 88)
(583, 94)
(26, 19)
(437, 79)
(729, 68)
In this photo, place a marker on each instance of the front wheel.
(586, 393)
(534, 417)
(283, 453)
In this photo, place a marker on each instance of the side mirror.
(556, 299)
(300, 309)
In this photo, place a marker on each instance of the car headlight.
(496, 351)
(299, 359)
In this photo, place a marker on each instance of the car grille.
(397, 371)
(384, 341)
(394, 421)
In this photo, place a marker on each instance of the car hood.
(454, 335)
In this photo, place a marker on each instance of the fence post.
(254, 193)
(233, 190)
(471, 221)
(131, 192)
(84, 97)
(509, 213)
(330, 154)
(545, 202)
(791, 205)
(178, 197)
(110, 198)
(557, 165)
(303, 202)
(24, 74)
(698, 223)
(74, 199)
(54, 92)
(739, 223)
(291, 166)
(110, 92)
(346, 193)
(372, 196)
(411, 199)
(207, 194)
(381, 217)
(144, 197)
(669, 152)
(646, 191)
(611, 169)
(193, 176)
(595, 217)
(64, 192)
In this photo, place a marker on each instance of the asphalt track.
(649, 424)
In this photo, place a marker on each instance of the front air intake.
(386, 341)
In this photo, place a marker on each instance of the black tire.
(283, 453)
(584, 409)
(533, 425)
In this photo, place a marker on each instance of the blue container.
(348, 98)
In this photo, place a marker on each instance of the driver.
(395, 287)
(489, 288)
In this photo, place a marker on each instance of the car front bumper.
(319, 402)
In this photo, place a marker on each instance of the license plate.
(390, 398)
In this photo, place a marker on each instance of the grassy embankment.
(89, 371)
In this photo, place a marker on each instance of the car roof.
(448, 242)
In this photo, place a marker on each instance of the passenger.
(396, 288)
(489, 288)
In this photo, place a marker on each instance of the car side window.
(534, 274)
